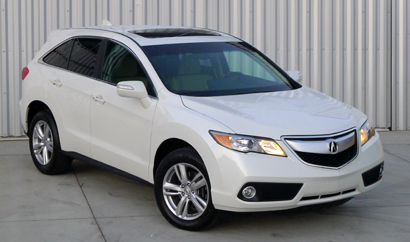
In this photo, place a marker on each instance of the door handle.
(56, 83)
(99, 99)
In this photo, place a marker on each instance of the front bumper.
(232, 170)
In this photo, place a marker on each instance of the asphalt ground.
(94, 204)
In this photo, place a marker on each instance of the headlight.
(366, 132)
(247, 143)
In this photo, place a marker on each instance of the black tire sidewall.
(190, 157)
(46, 116)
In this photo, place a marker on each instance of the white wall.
(401, 65)
(343, 47)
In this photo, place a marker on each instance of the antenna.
(106, 23)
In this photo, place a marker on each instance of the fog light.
(249, 192)
(381, 171)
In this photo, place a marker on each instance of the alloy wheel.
(186, 191)
(42, 141)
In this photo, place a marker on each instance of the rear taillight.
(24, 73)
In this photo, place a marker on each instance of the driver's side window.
(121, 65)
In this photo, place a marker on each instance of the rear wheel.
(45, 146)
(183, 190)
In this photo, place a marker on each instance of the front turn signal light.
(366, 132)
(248, 143)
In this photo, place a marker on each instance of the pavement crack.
(42, 220)
(14, 155)
(89, 206)
(401, 158)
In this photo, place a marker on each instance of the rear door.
(70, 78)
(120, 126)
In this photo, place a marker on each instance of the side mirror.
(295, 74)
(134, 89)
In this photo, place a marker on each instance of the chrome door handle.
(99, 99)
(56, 83)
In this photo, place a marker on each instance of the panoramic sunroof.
(166, 33)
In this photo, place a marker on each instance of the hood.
(303, 111)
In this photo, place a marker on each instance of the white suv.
(209, 120)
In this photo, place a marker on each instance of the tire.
(45, 146)
(184, 200)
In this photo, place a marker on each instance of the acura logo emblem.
(333, 147)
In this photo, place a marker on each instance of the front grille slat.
(329, 160)
(326, 160)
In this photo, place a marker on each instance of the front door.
(120, 126)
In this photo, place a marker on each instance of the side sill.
(104, 166)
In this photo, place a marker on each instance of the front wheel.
(45, 146)
(183, 190)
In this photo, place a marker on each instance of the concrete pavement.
(92, 204)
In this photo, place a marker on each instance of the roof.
(146, 35)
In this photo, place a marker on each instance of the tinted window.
(242, 62)
(121, 65)
(84, 56)
(59, 56)
(219, 68)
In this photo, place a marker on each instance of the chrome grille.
(329, 151)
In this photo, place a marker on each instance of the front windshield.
(214, 69)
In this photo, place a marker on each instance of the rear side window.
(60, 56)
(77, 55)
(84, 56)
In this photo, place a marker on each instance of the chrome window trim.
(329, 136)
(41, 61)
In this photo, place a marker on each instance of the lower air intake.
(266, 192)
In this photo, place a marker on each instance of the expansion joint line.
(88, 203)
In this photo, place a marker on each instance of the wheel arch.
(167, 147)
(33, 108)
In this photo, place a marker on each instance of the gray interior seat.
(189, 76)
(129, 70)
